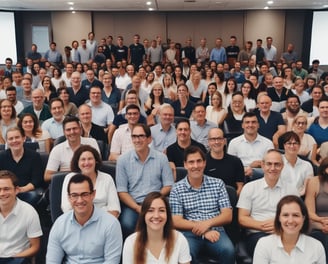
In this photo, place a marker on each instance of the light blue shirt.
(98, 241)
(218, 55)
(200, 133)
(54, 128)
(140, 178)
(162, 139)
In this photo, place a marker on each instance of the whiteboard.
(8, 39)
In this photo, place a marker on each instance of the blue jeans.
(222, 250)
(14, 261)
(128, 220)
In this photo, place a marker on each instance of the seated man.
(250, 147)
(220, 164)
(90, 129)
(86, 234)
(139, 172)
(61, 155)
(122, 141)
(24, 163)
(20, 225)
(200, 126)
(54, 125)
(272, 125)
(200, 207)
(131, 97)
(163, 134)
(102, 113)
(175, 151)
(258, 200)
(38, 107)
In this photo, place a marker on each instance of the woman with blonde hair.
(155, 240)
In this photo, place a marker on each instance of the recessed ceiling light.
(270, 2)
(150, 9)
(73, 12)
(148, 3)
(71, 8)
(266, 7)
(325, 6)
(70, 3)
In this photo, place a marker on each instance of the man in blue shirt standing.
(218, 53)
(85, 234)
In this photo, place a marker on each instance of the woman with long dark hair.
(155, 240)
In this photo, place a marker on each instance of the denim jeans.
(14, 261)
(128, 220)
(222, 250)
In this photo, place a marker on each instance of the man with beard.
(293, 109)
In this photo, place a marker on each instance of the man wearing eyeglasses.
(85, 234)
(222, 165)
(250, 147)
(122, 141)
(61, 154)
(258, 200)
(139, 172)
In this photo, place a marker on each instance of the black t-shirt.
(175, 153)
(229, 169)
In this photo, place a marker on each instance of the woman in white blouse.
(289, 244)
(87, 160)
(155, 240)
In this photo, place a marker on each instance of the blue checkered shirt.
(199, 204)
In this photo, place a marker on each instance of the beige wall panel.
(261, 24)
(146, 24)
(68, 27)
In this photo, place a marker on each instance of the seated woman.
(7, 118)
(33, 132)
(197, 87)
(316, 200)
(229, 89)
(86, 160)
(170, 92)
(183, 107)
(215, 112)
(49, 89)
(153, 103)
(155, 240)
(232, 123)
(308, 147)
(25, 164)
(289, 243)
(295, 171)
(248, 91)
(69, 107)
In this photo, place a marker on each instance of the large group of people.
(241, 117)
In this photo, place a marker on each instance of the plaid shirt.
(199, 204)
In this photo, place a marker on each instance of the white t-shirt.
(180, 252)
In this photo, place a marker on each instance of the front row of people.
(200, 209)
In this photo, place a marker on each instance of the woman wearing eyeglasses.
(308, 147)
(289, 243)
(155, 240)
(296, 171)
(86, 160)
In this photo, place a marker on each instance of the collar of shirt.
(266, 186)
(94, 217)
(300, 244)
(150, 155)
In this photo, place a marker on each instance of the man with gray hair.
(163, 133)
(77, 94)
